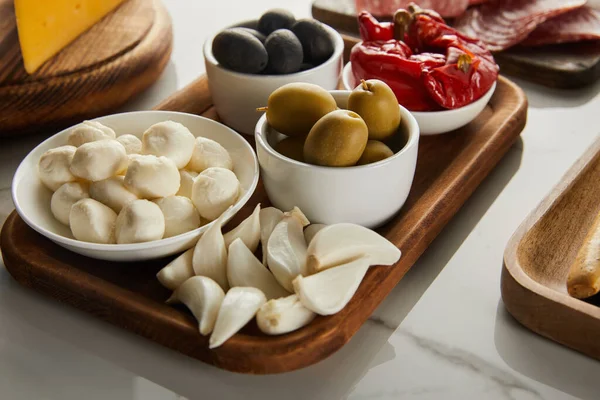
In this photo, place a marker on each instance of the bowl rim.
(338, 50)
(445, 113)
(262, 127)
(143, 245)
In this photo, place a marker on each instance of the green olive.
(336, 140)
(291, 147)
(376, 103)
(374, 151)
(294, 108)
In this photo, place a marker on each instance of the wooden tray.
(539, 254)
(567, 66)
(131, 47)
(449, 169)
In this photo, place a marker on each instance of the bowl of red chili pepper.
(443, 77)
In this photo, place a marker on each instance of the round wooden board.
(117, 58)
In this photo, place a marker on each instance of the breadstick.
(584, 275)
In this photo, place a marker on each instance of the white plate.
(435, 122)
(32, 198)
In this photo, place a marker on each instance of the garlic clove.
(340, 243)
(329, 291)
(299, 215)
(269, 217)
(286, 251)
(238, 308)
(177, 271)
(279, 316)
(311, 230)
(203, 297)
(210, 254)
(248, 230)
(244, 269)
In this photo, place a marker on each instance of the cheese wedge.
(46, 27)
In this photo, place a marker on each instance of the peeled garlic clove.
(248, 230)
(210, 254)
(238, 308)
(177, 271)
(269, 217)
(112, 192)
(92, 221)
(286, 251)
(139, 221)
(329, 291)
(311, 230)
(340, 243)
(203, 297)
(243, 269)
(299, 215)
(207, 153)
(279, 316)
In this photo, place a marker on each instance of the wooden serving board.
(566, 66)
(539, 254)
(449, 169)
(114, 60)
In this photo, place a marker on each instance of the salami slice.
(477, 2)
(574, 26)
(381, 8)
(501, 24)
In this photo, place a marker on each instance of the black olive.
(306, 66)
(240, 51)
(275, 19)
(316, 41)
(285, 52)
(254, 33)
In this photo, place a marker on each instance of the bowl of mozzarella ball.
(134, 186)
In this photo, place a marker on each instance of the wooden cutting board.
(449, 169)
(566, 66)
(539, 254)
(107, 65)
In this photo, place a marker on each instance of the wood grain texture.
(98, 72)
(449, 169)
(567, 66)
(539, 254)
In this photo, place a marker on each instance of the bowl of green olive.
(339, 155)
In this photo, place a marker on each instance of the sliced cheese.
(46, 27)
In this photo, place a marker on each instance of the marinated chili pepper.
(433, 67)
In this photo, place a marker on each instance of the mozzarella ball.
(89, 131)
(214, 190)
(169, 139)
(132, 144)
(112, 192)
(139, 221)
(53, 167)
(187, 180)
(64, 198)
(208, 153)
(92, 221)
(150, 177)
(180, 215)
(99, 160)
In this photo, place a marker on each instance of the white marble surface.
(443, 333)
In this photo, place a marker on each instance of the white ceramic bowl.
(32, 199)
(367, 195)
(236, 96)
(435, 122)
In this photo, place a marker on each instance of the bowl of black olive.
(246, 62)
